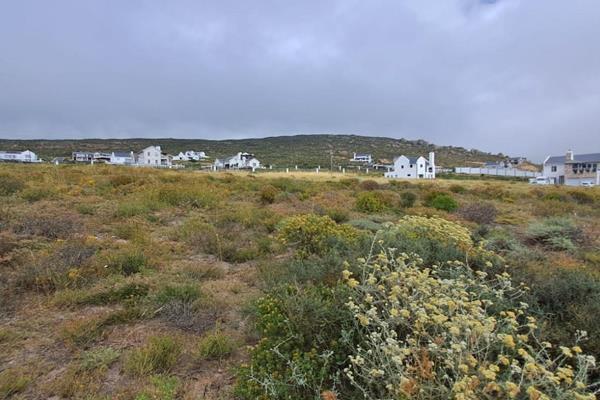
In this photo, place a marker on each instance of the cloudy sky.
(520, 77)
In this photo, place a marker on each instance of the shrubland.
(153, 284)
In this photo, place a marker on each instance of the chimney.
(570, 156)
(432, 159)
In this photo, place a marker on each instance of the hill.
(282, 151)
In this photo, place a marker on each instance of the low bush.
(554, 233)
(369, 184)
(33, 194)
(58, 225)
(183, 293)
(306, 335)
(407, 199)
(339, 215)
(159, 355)
(456, 188)
(215, 345)
(12, 382)
(369, 202)
(9, 185)
(133, 208)
(163, 388)
(114, 294)
(441, 201)
(581, 196)
(268, 194)
(481, 213)
(98, 359)
(128, 263)
(310, 233)
(461, 347)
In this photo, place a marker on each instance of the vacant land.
(125, 283)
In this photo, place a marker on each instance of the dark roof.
(12, 152)
(592, 157)
(122, 153)
(362, 155)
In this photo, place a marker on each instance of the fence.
(496, 172)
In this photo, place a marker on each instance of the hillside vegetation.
(283, 151)
(133, 283)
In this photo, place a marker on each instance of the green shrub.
(338, 215)
(101, 358)
(10, 185)
(365, 224)
(442, 201)
(310, 233)
(555, 233)
(128, 263)
(305, 336)
(369, 202)
(163, 388)
(159, 355)
(183, 293)
(407, 199)
(268, 194)
(114, 294)
(215, 345)
(33, 194)
(132, 208)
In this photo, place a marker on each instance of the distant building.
(190, 155)
(238, 161)
(152, 156)
(362, 157)
(515, 161)
(90, 157)
(19, 156)
(83, 156)
(413, 167)
(122, 158)
(572, 169)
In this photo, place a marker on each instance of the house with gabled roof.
(573, 169)
(413, 167)
(238, 161)
(25, 156)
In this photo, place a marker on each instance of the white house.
(19, 156)
(122, 158)
(362, 157)
(573, 169)
(190, 155)
(238, 161)
(152, 156)
(413, 167)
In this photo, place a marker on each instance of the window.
(410, 166)
(402, 166)
(553, 169)
(407, 174)
(421, 166)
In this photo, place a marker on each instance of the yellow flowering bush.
(446, 332)
(437, 228)
(310, 233)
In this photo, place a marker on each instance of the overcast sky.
(520, 77)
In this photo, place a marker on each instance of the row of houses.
(151, 156)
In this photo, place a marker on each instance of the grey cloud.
(519, 77)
